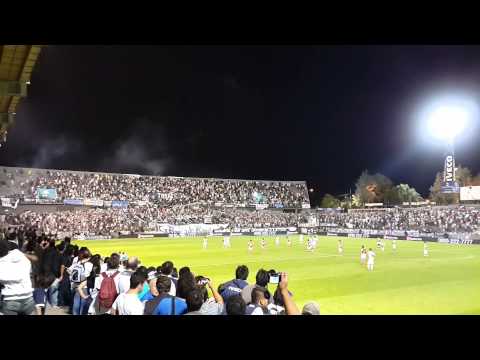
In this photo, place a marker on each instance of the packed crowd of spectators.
(104, 221)
(430, 219)
(37, 272)
(166, 191)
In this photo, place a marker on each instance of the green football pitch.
(403, 282)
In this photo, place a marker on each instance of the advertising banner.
(261, 206)
(107, 203)
(258, 197)
(92, 237)
(119, 203)
(357, 235)
(469, 193)
(73, 202)
(416, 203)
(46, 194)
(142, 236)
(93, 202)
(390, 237)
(305, 206)
(449, 185)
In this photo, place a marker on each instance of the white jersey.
(394, 245)
(309, 244)
(371, 257)
(205, 243)
(226, 241)
(277, 241)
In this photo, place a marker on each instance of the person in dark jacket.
(51, 264)
(64, 290)
(235, 286)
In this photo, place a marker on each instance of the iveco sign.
(449, 174)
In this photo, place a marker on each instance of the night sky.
(316, 113)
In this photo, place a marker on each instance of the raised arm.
(290, 306)
(218, 298)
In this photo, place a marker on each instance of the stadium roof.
(16, 65)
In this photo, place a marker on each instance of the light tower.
(447, 119)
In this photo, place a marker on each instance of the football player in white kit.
(340, 246)
(226, 241)
(289, 242)
(300, 239)
(205, 242)
(363, 255)
(394, 245)
(371, 259)
(383, 245)
(250, 245)
(310, 244)
(425, 249)
(263, 243)
(277, 241)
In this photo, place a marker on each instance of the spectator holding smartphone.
(198, 302)
(261, 280)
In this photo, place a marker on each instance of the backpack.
(77, 273)
(108, 290)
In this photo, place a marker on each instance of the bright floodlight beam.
(447, 122)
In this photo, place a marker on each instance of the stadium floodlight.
(448, 116)
(445, 119)
(447, 122)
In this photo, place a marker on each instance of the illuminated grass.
(405, 282)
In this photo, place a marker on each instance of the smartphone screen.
(274, 279)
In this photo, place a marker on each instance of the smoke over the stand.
(52, 153)
(144, 151)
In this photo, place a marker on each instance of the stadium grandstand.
(16, 66)
(93, 204)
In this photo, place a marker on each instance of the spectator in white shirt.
(15, 279)
(124, 277)
(128, 303)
